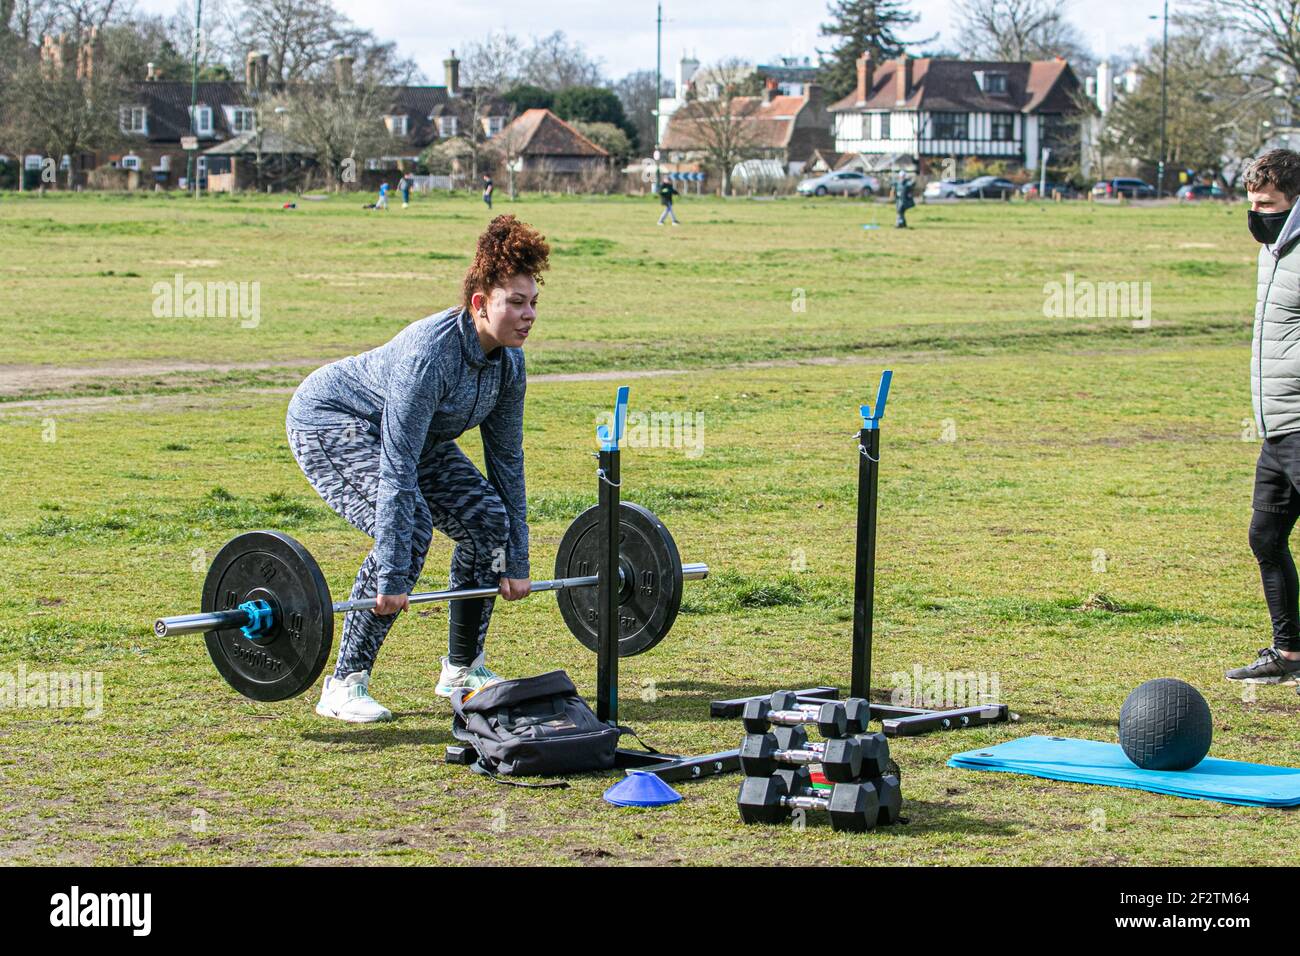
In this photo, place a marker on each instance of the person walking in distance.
(487, 190)
(666, 194)
(903, 200)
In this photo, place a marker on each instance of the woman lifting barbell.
(376, 434)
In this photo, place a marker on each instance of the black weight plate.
(652, 589)
(286, 660)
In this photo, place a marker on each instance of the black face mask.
(1267, 226)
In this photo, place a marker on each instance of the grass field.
(1064, 504)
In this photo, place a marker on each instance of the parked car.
(1030, 190)
(986, 187)
(943, 188)
(1132, 188)
(1195, 191)
(847, 182)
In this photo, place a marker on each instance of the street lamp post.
(1164, 102)
(281, 111)
(659, 47)
(190, 178)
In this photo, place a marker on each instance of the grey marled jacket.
(431, 383)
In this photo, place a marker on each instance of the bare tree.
(637, 93)
(78, 17)
(61, 110)
(1219, 112)
(1018, 30)
(721, 129)
(300, 37)
(217, 41)
(340, 116)
(493, 62)
(476, 105)
(1269, 28)
(555, 64)
(28, 20)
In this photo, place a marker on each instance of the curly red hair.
(506, 248)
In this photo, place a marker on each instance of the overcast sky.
(621, 33)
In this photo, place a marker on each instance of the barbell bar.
(218, 620)
(268, 618)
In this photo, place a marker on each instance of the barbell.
(268, 619)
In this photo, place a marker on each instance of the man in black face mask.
(1272, 185)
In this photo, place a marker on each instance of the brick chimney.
(903, 78)
(86, 54)
(815, 95)
(452, 67)
(250, 72)
(57, 55)
(769, 90)
(866, 77)
(343, 71)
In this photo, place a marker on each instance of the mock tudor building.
(928, 109)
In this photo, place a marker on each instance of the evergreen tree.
(863, 26)
(525, 97)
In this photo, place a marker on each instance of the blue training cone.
(641, 789)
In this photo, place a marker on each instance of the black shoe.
(1271, 668)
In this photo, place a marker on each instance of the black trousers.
(1277, 506)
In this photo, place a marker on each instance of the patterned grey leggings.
(343, 466)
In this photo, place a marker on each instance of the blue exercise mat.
(1090, 761)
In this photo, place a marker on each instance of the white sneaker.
(454, 679)
(349, 699)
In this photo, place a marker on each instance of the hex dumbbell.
(841, 760)
(795, 779)
(857, 710)
(875, 750)
(830, 718)
(889, 795)
(852, 807)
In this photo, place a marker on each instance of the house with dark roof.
(789, 129)
(825, 161)
(157, 116)
(929, 109)
(540, 143)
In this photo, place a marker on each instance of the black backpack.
(534, 726)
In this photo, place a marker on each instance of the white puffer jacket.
(1275, 346)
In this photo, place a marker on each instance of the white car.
(943, 188)
(846, 183)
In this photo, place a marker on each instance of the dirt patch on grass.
(124, 403)
(18, 380)
(24, 379)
